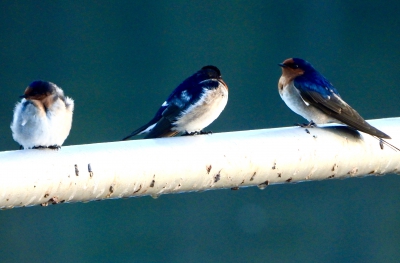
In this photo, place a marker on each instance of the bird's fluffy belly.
(32, 126)
(291, 96)
(203, 112)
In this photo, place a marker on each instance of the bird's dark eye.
(294, 66)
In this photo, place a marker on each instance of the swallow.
(191, 107)
(309, 94)
(43, 118)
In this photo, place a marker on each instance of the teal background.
(119, 60)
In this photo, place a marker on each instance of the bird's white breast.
(291, 96)
(203, 112)
(33, 126)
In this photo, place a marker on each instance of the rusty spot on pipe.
(217, 177)
(140, 187)
(76, 170)
(252, 177)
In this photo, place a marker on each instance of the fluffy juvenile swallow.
(43, 118)
(191, 107)
(309, 94)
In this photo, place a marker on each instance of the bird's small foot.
(52, 147)
(311, 124)
(191, 133)
(196, 133)
(39, 147)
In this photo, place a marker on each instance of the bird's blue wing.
(186, 95)
(316, 90)
(320, 93)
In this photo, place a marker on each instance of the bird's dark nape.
(212, 68)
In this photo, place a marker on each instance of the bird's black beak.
(282, 65)
(23, 96)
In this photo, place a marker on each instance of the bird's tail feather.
(163, 128)
(142, 129)
(136, 132)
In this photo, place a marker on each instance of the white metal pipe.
(192, 163)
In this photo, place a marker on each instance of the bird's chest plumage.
(204, 111)
(291, 96)
(35, 125)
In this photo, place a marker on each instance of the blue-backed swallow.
(191, 107)
(43, 118)
(309, 94)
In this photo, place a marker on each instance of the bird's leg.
(311, 124)
(54, 147)
(39, 147)
(190, 133)
(196, 133)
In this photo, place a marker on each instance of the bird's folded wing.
(165, 123)
(333, 105)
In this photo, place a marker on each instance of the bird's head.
(293, 67)
(211, 73)
(39, 90)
